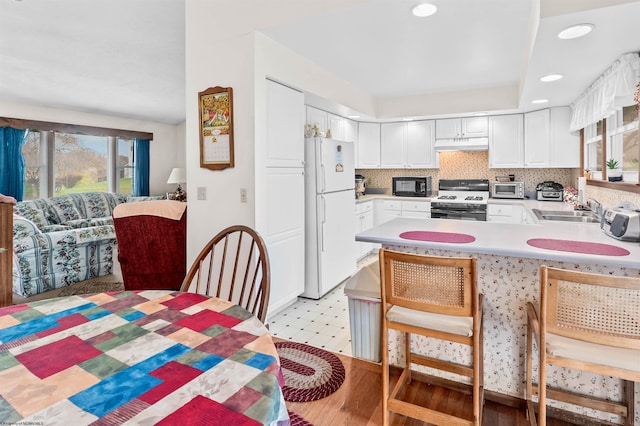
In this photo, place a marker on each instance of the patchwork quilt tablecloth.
(143, 357)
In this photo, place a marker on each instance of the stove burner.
(447, 197)
(477, 198)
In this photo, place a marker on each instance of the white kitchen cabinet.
(391, 210)
(364, 221)
(350, 130)
(548, 142)
(420, 145)
(565, 145)
(536, 138)
(408, 145)
(506, 141)
(508, 213)
(392, 145)
(368, 146)
(285, 129)
(419, 209)
(318, 117)
(336, 124)
(466, 127)
(416, 209)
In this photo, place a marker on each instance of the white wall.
(165, 147)
(243, 63)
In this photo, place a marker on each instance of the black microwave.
(411, 186)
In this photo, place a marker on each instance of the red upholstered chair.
(151, 244)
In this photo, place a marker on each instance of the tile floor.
(322, 323)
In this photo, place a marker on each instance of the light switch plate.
(202, 193)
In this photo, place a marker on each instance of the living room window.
(81, 163)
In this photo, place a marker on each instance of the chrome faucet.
(595, 206)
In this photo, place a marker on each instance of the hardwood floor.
(358, 402)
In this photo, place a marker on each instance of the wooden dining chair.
(233, 265)
(434, 297)
(588, 322)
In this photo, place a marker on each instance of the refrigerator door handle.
(322, 222)
(324, 177)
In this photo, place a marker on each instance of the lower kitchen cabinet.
(364, 220)
(508, 213)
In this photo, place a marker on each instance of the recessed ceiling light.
(551, 77)
(423, 10)
(353, 116)
(407, 119)
(540, 101)
(575, 31)
(479, 114)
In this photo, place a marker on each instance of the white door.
(337, 168)
(285, 124)
(336, 243)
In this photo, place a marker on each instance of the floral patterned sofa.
(62, 240)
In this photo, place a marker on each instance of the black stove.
(461, 199)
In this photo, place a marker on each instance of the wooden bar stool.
(588, 322)
(434, 297)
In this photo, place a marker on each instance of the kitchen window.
(621, 134)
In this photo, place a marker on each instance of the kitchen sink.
(567, 215)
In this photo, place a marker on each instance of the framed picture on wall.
(215, 106)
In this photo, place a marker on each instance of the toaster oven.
(507, 190)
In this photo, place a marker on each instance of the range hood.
(462, 144)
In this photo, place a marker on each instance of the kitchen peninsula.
(507, 266)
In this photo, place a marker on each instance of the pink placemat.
(438, 237)
(577, 247)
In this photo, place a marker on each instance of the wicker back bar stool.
(434, 297)
(588, 322)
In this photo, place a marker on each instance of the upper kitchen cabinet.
(565, 145)
(536, 138)
(285, 130)
(506, 141)
(335, 123)
(350, 130)
(408, 145)
(466, 127)
(368, 146)
(318, 117)
(548, 141)
(392, 145)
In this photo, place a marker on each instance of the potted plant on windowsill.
(614, 174)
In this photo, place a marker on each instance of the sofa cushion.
(78, 223)
(63, 209)
(54, 228)
(95, 204)
(132, 199)
(23, 227)
(32, 211)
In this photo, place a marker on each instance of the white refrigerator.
(330, 248)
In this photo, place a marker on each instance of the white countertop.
(509, 239)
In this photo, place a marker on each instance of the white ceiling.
(126, 57)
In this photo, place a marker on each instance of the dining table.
(138, 357)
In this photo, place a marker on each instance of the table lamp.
(178, 175)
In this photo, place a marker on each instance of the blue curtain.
(141, 167)
(12, 162)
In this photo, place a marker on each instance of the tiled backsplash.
(475, 165)
(469, 165)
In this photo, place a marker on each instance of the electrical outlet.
(202, 193)
(243, 195)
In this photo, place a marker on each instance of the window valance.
(613, 89)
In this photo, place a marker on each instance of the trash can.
(363, 292)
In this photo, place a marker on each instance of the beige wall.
(469, 165)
